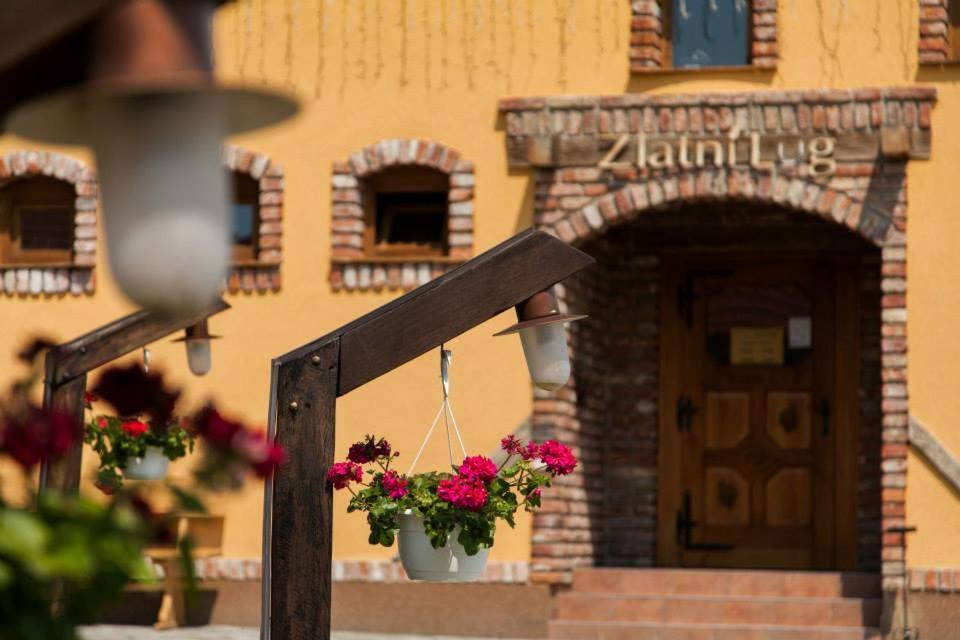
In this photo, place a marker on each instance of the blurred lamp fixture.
(197, 339)
(544, 339)
(156, 120)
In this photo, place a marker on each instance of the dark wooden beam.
(300, 537)
(116, 339)
(448, 306)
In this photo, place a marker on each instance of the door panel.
(751, 467)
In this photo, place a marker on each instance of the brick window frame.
(262, 273)
(868, 195)
(649, 45)
(76, 277)
(938, 44)
(351, 268)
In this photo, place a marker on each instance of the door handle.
(824, 411)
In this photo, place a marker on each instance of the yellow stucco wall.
(372, 69)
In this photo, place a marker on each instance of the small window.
(37, 222)
(707, 33)
(407, 212)
(246, 217)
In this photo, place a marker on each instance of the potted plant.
(140, 448)
(446, 521)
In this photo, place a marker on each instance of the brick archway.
(868, 199)
(77, 278)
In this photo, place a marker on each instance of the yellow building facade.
(566, 116)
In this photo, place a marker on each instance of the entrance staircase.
(688, 604)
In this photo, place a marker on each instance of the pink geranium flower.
(462, 492)
(478, 467)
(394, 484)
(368, 450)
(558, 457)
(341, 474)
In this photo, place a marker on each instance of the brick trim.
(934, 42)
(264, 273)
(935, 580)
(348, 570)
(351, 269)
(78, 278)
(647, 35)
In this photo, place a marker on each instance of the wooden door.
(752, 442)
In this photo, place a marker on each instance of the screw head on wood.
(315, 359)
(294, 405)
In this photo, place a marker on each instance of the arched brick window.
(402, 215)
(668, 34)
(256, 191)
(48, 224)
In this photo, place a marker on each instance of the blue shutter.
(711, 33)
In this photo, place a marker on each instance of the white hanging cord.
(446, 410)
(146, 360)
(423, 445)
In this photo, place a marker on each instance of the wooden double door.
(758, 415)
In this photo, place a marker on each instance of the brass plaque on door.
(756, 345)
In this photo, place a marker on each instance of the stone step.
(570, 630)
(696, 609)
(727, 583)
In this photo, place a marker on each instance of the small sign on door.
(799, 333)
(756, 345)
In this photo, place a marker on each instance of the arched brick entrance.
(607, 514)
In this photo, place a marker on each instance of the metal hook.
(146, 360)
(446, 356)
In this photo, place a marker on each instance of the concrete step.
(727, 583)
(697, 609)
(570, 630)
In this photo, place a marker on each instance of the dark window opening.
(953, 14)
(37, 222)
(246, 217)
(407, 213)
(707, 33)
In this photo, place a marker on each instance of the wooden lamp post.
(306, 382)
(67, 365)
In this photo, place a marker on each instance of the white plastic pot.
(421, 561)
(152, 466)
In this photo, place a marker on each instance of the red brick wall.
(934, 31)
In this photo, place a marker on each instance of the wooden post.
(302, 532)
(298, 519)
(63, 476)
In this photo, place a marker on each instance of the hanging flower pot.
(152, 465)
(446, 521)
(135, 449)
(449, 563)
